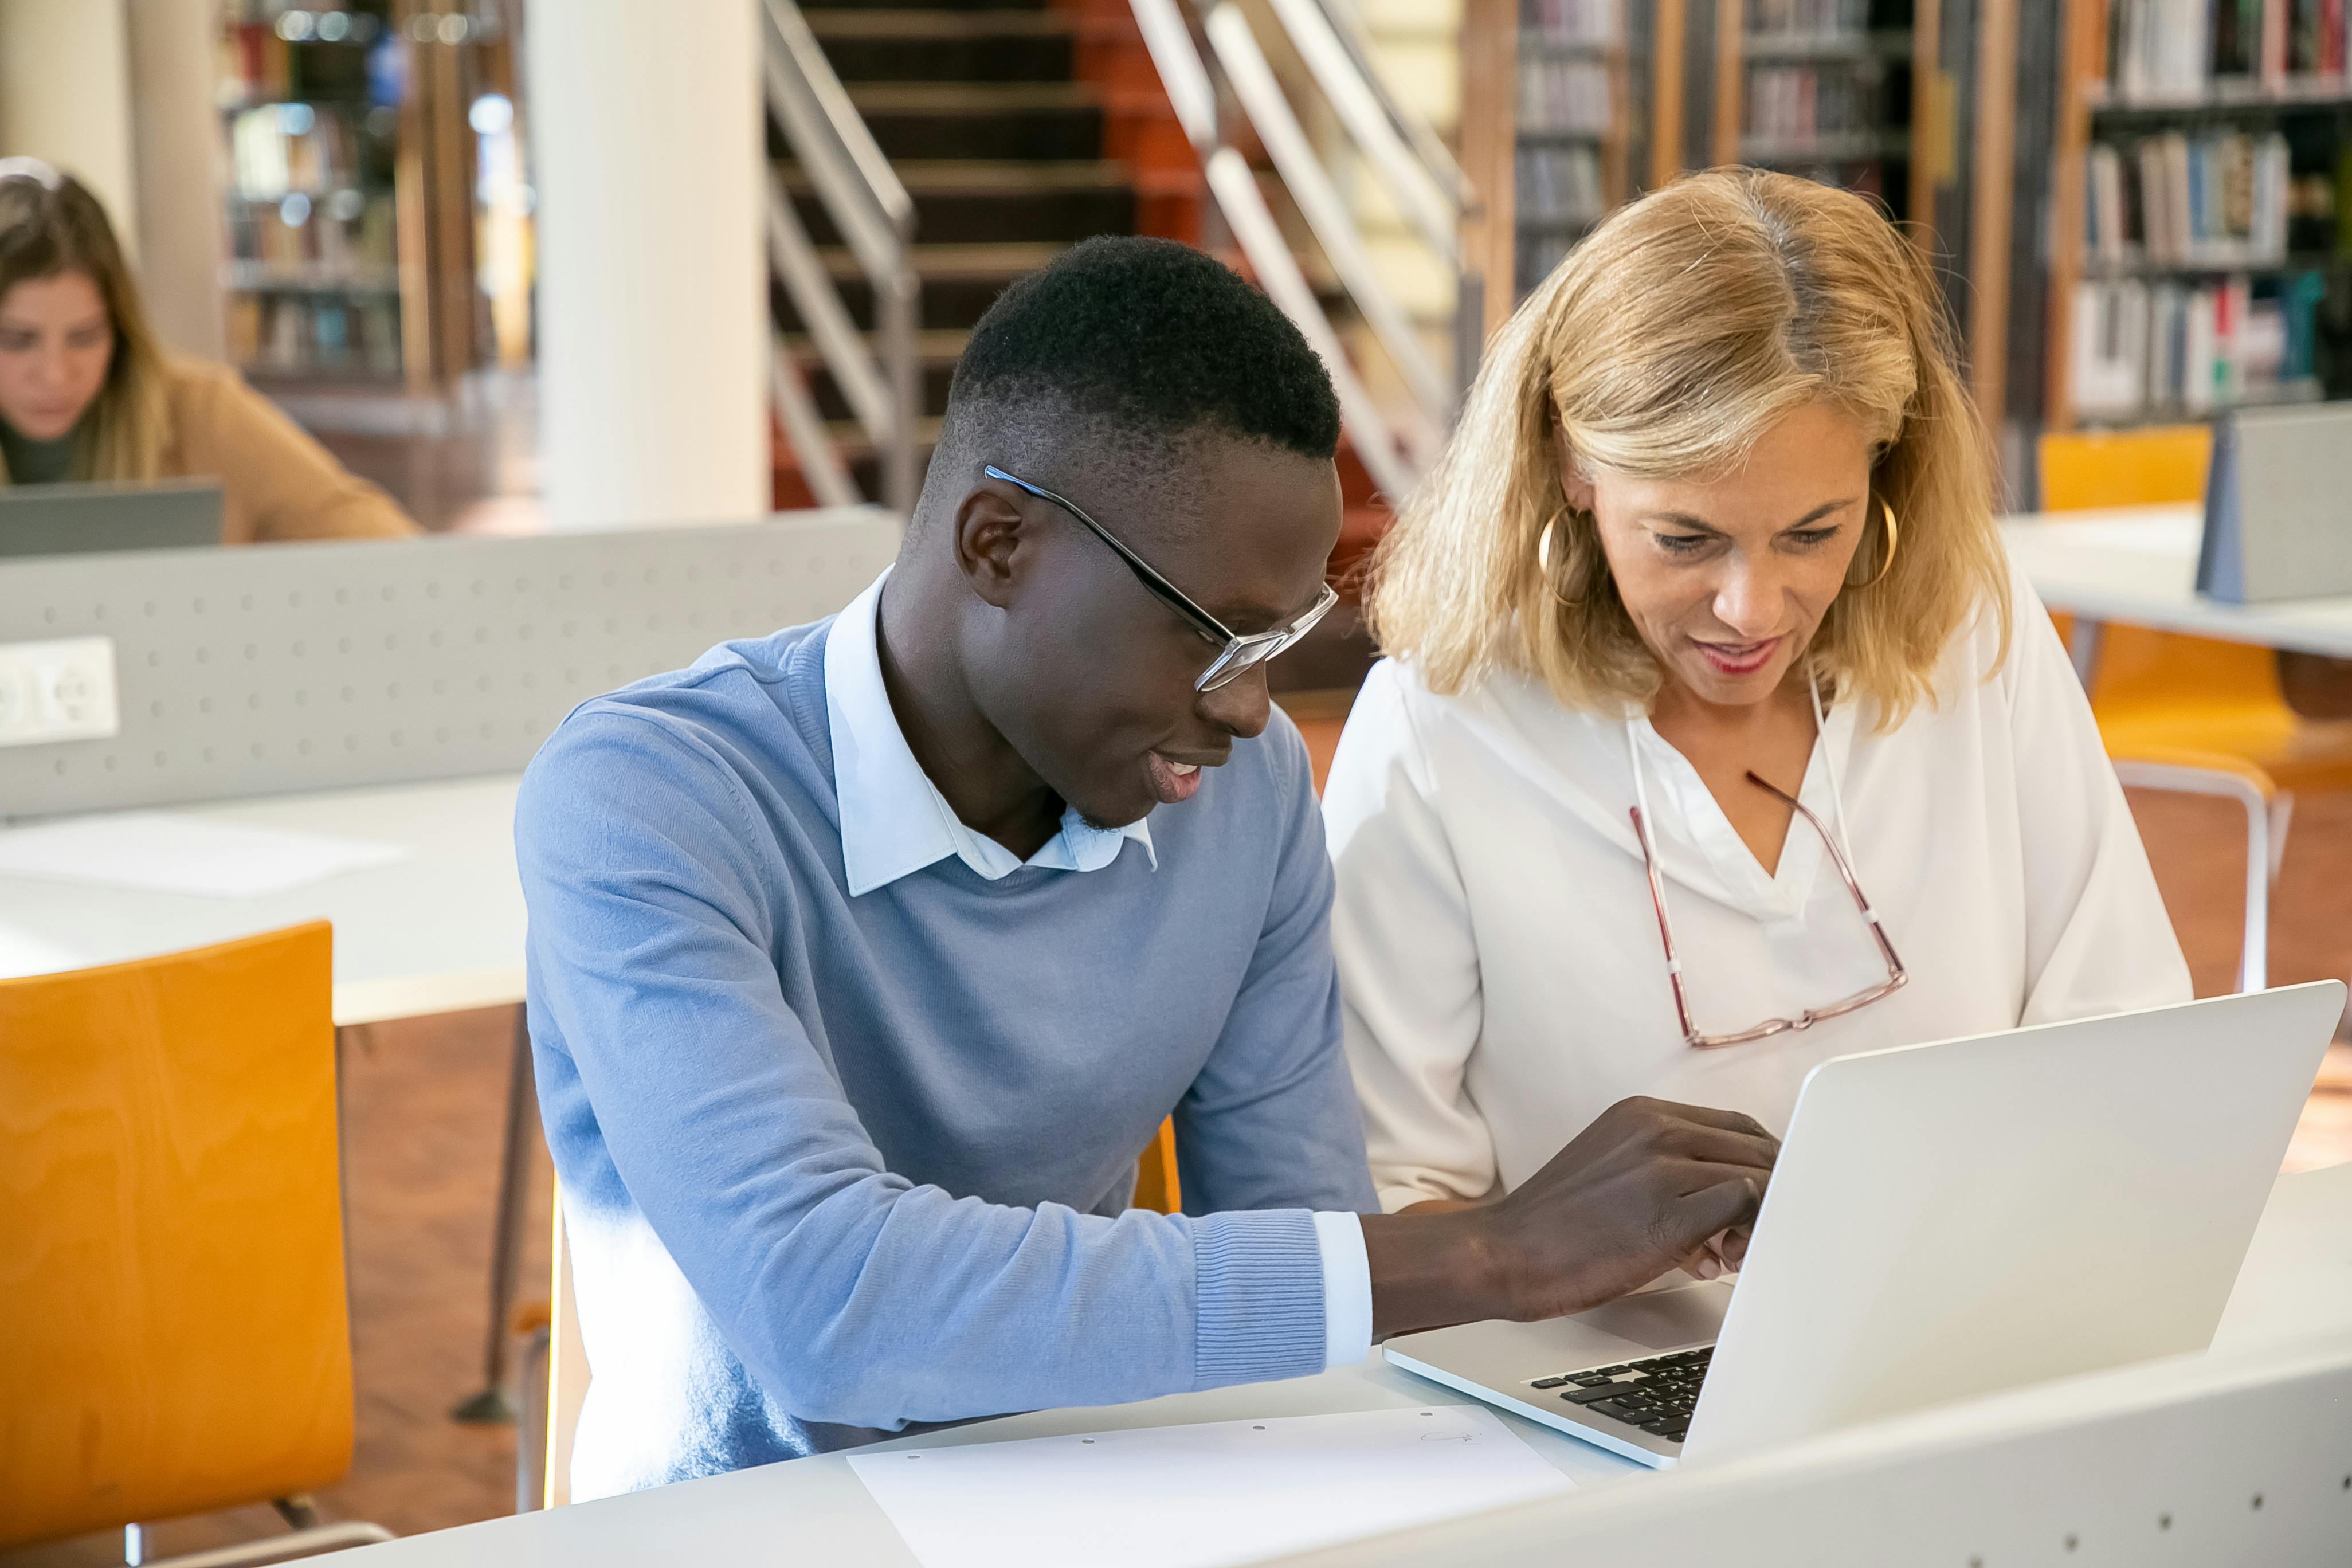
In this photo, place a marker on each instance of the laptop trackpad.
(1663, 1319)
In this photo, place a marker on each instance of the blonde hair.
(1663, 346)
(49, 223)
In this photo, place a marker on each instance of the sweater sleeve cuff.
(1346, 1289)
(1259, 1276)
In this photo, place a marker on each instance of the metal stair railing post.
(1254, 84)
(876, 217)
(1403, 153)
(1329, 35)
(1185, 76)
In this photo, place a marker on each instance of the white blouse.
(1503, 979)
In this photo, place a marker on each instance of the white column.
(646, 146)
(175, 143)
(65, 95)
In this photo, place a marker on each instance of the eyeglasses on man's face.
(1236, 653)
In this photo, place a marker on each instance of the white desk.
(436, 932)
(2138, 566)
(2297, 1281)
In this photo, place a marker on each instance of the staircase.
(1018, 128)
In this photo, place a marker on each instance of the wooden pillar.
(1730, 21)
(1667, 91)
(1490, 117)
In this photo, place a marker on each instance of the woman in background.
(1717, 735)
(85, 393)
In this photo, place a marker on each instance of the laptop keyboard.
(1656, 1394)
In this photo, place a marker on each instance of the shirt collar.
(894, 820)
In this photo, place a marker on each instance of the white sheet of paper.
(165, 852)
(1202, 1496)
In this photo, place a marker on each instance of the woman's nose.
(1748, 600)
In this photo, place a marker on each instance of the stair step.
(1046, 120)
(876, 45)
(959, 282)
(967, 202)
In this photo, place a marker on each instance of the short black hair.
(1127, 339)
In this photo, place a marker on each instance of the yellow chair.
(2190, 714)
(555, 1366)
(173, 1302)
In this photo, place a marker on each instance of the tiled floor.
(424, 1108)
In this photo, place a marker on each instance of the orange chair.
(2192, 714)
(172, 1293)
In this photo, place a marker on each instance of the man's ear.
(988, 538)
(1574, 486)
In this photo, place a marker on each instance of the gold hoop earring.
(1543, 552)
(1894, 535)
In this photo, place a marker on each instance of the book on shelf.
(281, 147)
(1570, 23)
(2221, 199)
(302, 334)
(1558, 186)
(1799, 103)
(1563, 95)
(2159, 49)
(1808, 18)
(2158, 349)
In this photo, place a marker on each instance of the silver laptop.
(1945, 1220)
(71, 520)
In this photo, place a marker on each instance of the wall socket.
(61, 690)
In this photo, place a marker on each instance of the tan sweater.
(276, 483)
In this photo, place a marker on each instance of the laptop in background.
(1945, 1220)
(71, 520)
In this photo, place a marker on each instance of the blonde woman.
(1716, 737)
(86, 395)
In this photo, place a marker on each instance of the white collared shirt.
(1500, 961)
(895, 822)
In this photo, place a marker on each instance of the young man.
(863, 966)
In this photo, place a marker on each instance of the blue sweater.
(835, 1166)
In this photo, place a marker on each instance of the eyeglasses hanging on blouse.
(1896, 977)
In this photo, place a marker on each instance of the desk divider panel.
(278, 668)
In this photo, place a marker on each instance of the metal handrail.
(1320, 201)
(1182, 73)
(1348, 23)
(1400, 149)
(876, 217)
(1369, 112)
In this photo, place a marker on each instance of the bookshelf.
(1817, 88)
(1574, 73)
(2202, 259)
(348, 188)
(1609, 98)
(1939, 110)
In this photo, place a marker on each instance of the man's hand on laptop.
(1648, 1186)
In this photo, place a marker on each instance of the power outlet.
(61, 690)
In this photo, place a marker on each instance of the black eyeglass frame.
(1237, 652)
